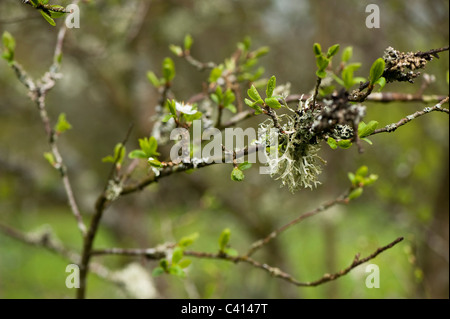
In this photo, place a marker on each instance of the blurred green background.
(105, 88)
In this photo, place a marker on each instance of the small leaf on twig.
(376, 71)
(237, 175)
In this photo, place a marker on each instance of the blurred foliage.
(105, 87)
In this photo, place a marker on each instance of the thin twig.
(260, 243)
(114, 165)
(196, 63)
(182, 167)
(158, 253)
(149, 253)
(394, 126)
(37, 92)
(432, 52)
(316, 91)
(88, 242)
(47, 240)
(381, 97)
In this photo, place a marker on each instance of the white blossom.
(185, 108)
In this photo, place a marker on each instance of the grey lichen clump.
(295, 160)
(293, 153)
(400, 66)
(113, 190)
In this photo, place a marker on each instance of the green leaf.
(273, 102)
(332, 143)
(333, 50)
(322, 62)
(271, 84)
(257, 74)
(167, 117)
(352, 178)
(215, 74)
(149, 146)
(184, 263)
(172, 107)
(362, 171)
(254, 105)
(188, 240)
(188, 41)
(47, 17)
(347, 77)
(370, 180)
(164, 264)
(321, 74)
(8, 41)
(50, 158)
(365, 130)
(244, 166)
(119, 153)
(151, 76)
(347, 74)
(249, 103)
(355, 193)
(367, 140)
(192, 117)
(62, 125)
(231, 107)
(317, 49)
(108, 159)
(177, 50)
(253, 93)
(344, 144)
(158, 271)
(246, 43)
(215, 98)
(168, 69)
(347, 54)
(230, 65)
(376, 71)
(337, 79)
(10, 45)
(176, 270)
(354, 66)
(326, 90)
(177, 255)
(219, 93)
(137, 154)
(260, 52)
(228, 97)
(224, 239)
(231, 252)
(154, 162)
(381, 82)
(237, 175)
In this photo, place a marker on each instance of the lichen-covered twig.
(394, 126)
(162, 252)
(262, 242)
(46, 239)
(37, 91)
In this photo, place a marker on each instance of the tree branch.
(158, 253)
(47, 240)
(260, 243)
(394, 126)
(37, 91)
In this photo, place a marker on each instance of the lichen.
(295, 161)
